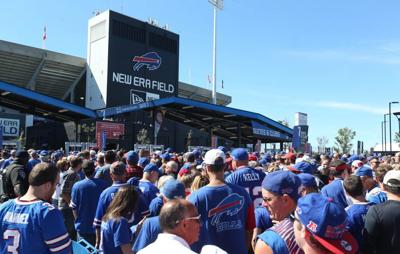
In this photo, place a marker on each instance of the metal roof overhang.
(224, 121)
(28, 101)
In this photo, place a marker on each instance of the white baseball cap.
(211, 157)
(392, 175)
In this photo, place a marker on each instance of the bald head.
(173, 212)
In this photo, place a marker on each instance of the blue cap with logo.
(283, 182)
(173, 189)
(307, 180)
(240, 154)
(302, 167)
(151, 167)
(326, 221)
(364, 171)
(132, 157)
(165, 156)
(143, 162)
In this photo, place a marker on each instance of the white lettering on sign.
(10, 127)
(265, 132)
(156, 85)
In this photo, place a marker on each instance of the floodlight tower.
(218, 5)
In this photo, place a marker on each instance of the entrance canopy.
(226, 122)
(30, 102)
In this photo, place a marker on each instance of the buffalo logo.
(151, 60)
(231, 205)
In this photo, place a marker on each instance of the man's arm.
(262, 248)
(126, 248)
(370, 231)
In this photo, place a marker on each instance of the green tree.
(397, 137)
(344, 139)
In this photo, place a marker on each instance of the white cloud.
(352, 106)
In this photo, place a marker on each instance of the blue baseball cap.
(240, 154)
(44, 153)
(302, 167)
(223, 149)
(173, 189)
(165, 156)
(282, 182)
(326, 221)
(263, 162)
(143, 162)
(151, 167)
(364, 171)
(132, 157)
(308, 180)
(133, 181)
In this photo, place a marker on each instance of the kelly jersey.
(105, 200)
(335, 190)
(84, 199)
(226, 213)
(356, 219)
(149, 190)
(114, 233)
(251, 180)
(32, 227)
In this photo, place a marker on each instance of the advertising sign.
(262, 131)
(112, 131)
(10, 127)
(140, 69)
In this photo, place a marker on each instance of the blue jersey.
(155, 206)
(32, 227)
(114, 233)
(376, 196)
(263, 219)
(84, 199)
(149, 190)
(104, 173)
(356, 219)
(250, 179)
(7, 162)
(32, 163)
(148, 234)
(105, 200)
(336, 191)
(226, 213)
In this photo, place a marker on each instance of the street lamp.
(218, 4)
(382, 133)
(390, 123)
(384, 129)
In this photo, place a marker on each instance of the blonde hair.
(198, 182)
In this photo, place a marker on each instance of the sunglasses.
(195, 218)
(293, 218)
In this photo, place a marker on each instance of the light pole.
(218, 4)
(390, 123)
(382, 134)
(384, 129)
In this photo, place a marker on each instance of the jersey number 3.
(15, 235)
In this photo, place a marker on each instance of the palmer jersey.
(250, 179)
(32, 227)
(226, 213)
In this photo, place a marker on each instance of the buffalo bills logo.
(231, 205)
(151, 60)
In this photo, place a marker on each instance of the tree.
(343, 140)
(397, 137)
(284, 122)
(322, 142)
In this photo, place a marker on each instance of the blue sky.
(338, 61)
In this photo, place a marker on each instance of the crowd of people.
(215, 201)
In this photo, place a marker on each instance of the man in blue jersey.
(340, 171)
(104, 172)
(372, 190)
(357, 211)
(84, 198)
(147, 184)
(245, 176)
(31, 225)
(281, 189)
(227, 212)
(118, 175)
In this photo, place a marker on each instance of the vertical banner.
(103, 140)
(214, 141)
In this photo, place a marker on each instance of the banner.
(10, 127)
(112, 131)
(263, 131)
